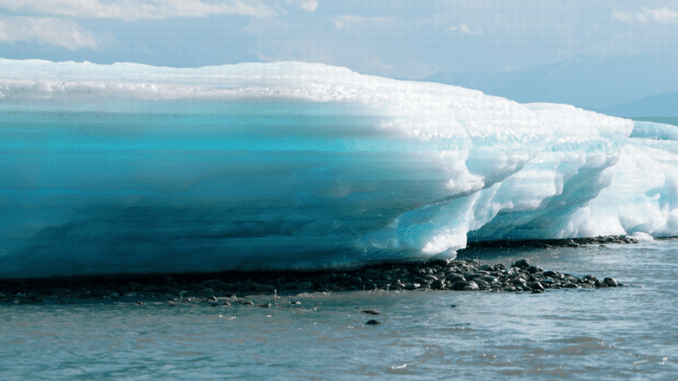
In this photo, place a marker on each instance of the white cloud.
(463, 28)
(662, 15)
(306, 5)
(49, 30)
(623, 16)
(348, 21)
(137, 9)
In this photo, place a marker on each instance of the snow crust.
(134, 168)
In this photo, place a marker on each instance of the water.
(622, 333)
(658, 119)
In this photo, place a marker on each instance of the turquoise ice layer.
(301, 166)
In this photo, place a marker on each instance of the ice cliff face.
(133, 168)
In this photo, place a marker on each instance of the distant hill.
(586, 81)
(652, 108)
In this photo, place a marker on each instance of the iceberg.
(128, 168)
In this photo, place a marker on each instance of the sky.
(489, 41)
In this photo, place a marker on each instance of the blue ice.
(133, 168)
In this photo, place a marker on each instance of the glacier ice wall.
(133, 168)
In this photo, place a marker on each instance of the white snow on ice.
(132, 168)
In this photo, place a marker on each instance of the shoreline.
(226, 287)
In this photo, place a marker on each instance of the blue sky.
(395, 38)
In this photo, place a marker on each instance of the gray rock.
(207, 291)
(489, 279)
(459, 286)
(216, 284)
(522, 263)
(472, 286)
(454, 278)
(537, 286)
(534, 269)
(553, 274)
(610, 282)
(306, 286)
(266, 288)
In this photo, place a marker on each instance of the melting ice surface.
(133, 168)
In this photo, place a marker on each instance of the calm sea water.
(624, 333)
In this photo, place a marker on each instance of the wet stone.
(373, 322)
(305, 286)
(553, 274)
(489, 279)
(454, 278)
(472, 286)
(534, 269)
(537, 286)
(457, 275)
(523, 264)
(459, 286)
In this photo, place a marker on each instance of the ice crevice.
(134, 168)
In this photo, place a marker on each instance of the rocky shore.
(551, 243)
(230, 287)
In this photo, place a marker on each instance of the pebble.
(457, 275)
(373, 322)
(371, 312)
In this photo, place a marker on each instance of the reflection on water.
(618, 333)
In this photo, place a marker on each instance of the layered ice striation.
(132, 168)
